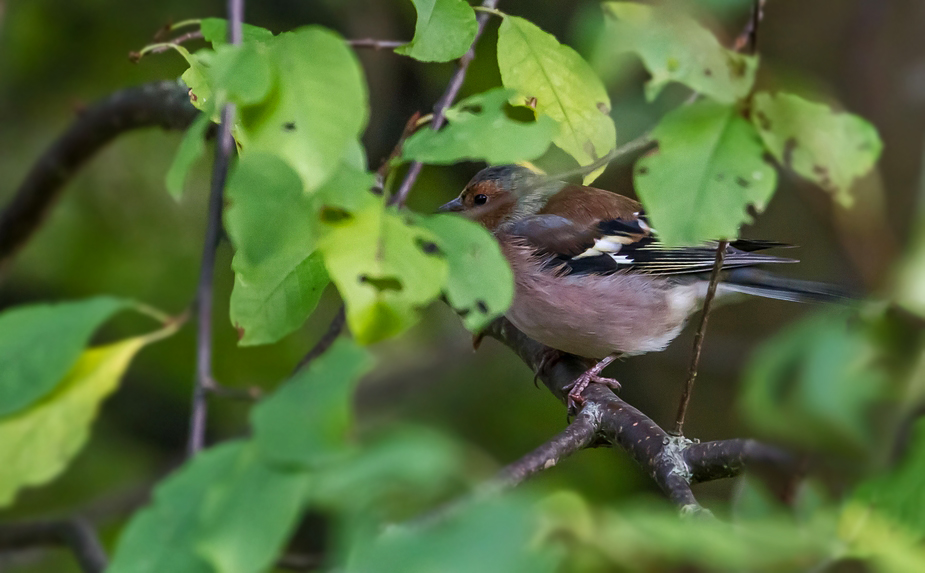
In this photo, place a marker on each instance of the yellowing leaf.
(828, 148)
(675, 48)
(38, 443)
(556, 81)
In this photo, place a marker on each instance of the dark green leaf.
(479, 129)
(814, 384)
(191, 149)
(277, 280)
(675, 48)
(249, 514)
(828, 148)
(305, 422)
(556, 81)
(215, 30)
(709, 168)
(480, 285)
(40, 343)
(444, 30)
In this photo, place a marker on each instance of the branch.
(673, 462)
(74, 533)
(223, 148)
(164, 104)
(445, 101)
(376, 44)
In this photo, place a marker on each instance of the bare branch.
(164, 104)
(74, 533)
(445, 101)
(325, 342)
(376, 44)
(223, 148)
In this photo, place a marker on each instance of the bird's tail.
(760, 283)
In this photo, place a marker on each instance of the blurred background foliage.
(117, 231)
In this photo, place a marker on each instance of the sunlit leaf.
(480, 285)
(191, 149)
(249, 513)
(162, 536)
(708, 170)
(269, 220)
(37, 444)
(40, 343)
(242, 74)
(675, 48)
(215, 30)
(479, 129)
(444, 30)
(317, 109)
(830, 149)
(556, 81)
(384, 267)
(305, 423)
(814, 384)
(494, 537)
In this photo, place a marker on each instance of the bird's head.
(497, 195)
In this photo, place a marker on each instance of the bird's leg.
(549, 358)
(593, 374)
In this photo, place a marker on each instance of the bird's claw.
(593, 374)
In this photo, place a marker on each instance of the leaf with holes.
(675, 48)
(480, 285)
(828, 148)
(556, 82)
(444, 30)
(37, 443)
(278, 278)
(40, 343)
(479, 129)
(384, 267)
(305, 423)
(707, 171)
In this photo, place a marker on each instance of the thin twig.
(376, 44)
(134, 57)
(748, 40)
(73, 532)
(698, 337)
(223, 148)
(445, 101)
(325, 342)
(642, 142)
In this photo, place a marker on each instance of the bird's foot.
(549, 358)
(593, 374)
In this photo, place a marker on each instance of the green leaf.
(305, 423)
(265, 308)
(191, 149)
(162, 536)
(814, 384)
(40, 343)
(198, 79)
(496, 536)
(900, 494)
(828, 148)
(384, 268)
(38, 443)
(215, 30)
(709, 168)
(242, 74)
(479, 129)
(675, 48)
(249, 514)
(444, 31)
(480, 285)
(563, 85)
(278, 281)
(317, 109)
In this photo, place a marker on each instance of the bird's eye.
(480, 199)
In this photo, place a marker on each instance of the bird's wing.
(627, 244)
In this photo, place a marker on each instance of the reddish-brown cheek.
(492, 214)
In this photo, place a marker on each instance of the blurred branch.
(223, 149)
(326, 340)
(674, 462)
(74, 533)
(376, 44)
(445, 101)
(164, 104)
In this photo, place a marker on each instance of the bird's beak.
(452, 207)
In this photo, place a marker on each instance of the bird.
(591, 277)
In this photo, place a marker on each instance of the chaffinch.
(591, 277)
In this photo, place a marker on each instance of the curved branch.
(75, 533)
(164, 104)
